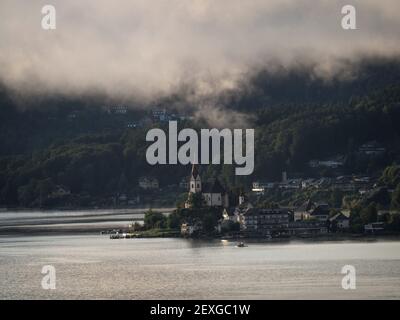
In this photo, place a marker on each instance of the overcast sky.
(149, 48)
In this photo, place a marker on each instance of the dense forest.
(80, 145)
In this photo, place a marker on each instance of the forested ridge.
(77, 144)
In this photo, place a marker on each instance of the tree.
(26, 194)
(391, 176)
(356, 223)
(395, 203)
(230, 226)
(196, 200)
(153, 219)
(369, 214)
(336, 198)
(209, 223)
(136, 226)
(174, 220)
(123, 183)
(394, 223)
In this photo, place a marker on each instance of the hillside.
(94, 152)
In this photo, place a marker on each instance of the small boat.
(241, 245)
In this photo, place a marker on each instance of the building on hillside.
(60, 191)
(311, 210)
(374, 227)
(121, 110)
(372, 148)
(260, 187)
(321, 212)
(162, 116)
(231, 214)
(191, 228)
(307, 228)
(213, 193)
(307, 183)
(340, 221)
(303, 212)
(148, 183)
(266, 222)
(332, 163)
(235, 214)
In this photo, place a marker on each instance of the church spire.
(195, 170)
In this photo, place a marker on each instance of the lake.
(91, 266)
(95, 267)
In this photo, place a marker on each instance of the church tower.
(242, 198)
(195, 180)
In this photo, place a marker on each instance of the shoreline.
(96, 231)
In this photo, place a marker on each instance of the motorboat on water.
(241, 245)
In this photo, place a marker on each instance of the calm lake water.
(91, 266)
(95, 267)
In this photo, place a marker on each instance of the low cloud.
(142, 50)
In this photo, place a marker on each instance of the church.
(213, 193)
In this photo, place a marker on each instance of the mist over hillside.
(90, 147)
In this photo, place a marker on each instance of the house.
(371, 148)
(303, 212)
(122, 198)
(323, 183)
(260, 187)
(134, 200)
(344, 183)
(121, 110)
(191, 228)
(60, 191)
(340, 221)
(290, 184)
(162, 116)
(235, 214)
(311, 210)
(307, 183)
(231, 214)
(321, 212)
(332, 163)
(148, 183)
(307, 228)
(374, 227)
(213, 193)
(265, 221)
